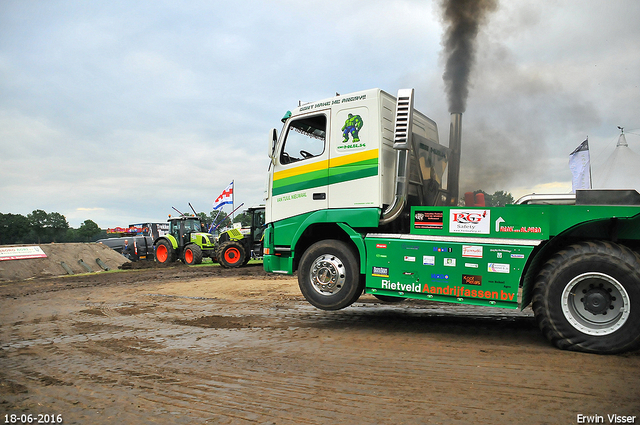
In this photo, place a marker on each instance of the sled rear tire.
(587, 298)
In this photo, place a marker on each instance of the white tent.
(621, 170)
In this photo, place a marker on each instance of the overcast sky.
(116, 111)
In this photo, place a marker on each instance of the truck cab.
(333, 166)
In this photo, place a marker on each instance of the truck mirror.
(273, 139)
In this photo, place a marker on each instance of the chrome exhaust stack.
(402, 145)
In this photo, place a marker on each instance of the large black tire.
(329, 275)
(587, 298)
(231, 254)
(192, 255)
(164, 252)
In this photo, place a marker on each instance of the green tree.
(243, 218)
(14, 228)
(216, 218)
(38, 223)
(501, 198)
(58, 226)
(88, 229)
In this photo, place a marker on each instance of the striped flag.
(226, 197)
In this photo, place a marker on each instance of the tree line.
(42, 227)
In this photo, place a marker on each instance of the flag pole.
(590, 173)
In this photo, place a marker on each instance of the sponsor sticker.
(381, 245)
(517, 255)
(428, 220)
(441, 249)
(410, 259)
(380, 271)
(472, 251)
(470, 221)
(450, 262)
(498, 268)
(471, 265)
(428, 260)
(471, 279)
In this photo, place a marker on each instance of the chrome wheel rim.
(595, 304)
(327, 274)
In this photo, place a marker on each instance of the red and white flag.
(226, 197)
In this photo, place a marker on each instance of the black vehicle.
(139, 247)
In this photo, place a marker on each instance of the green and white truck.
(362, 197)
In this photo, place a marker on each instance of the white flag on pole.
(580, 166)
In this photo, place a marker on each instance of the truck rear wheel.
(587, 298)
(231, 254)
(164, 252)
(329, 275)
(192, 255)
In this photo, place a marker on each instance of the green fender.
(346, 219)
(170, 238)
(358, 240)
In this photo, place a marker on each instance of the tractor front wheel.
(192, 255)
(231, 254)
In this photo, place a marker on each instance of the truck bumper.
(277, 264)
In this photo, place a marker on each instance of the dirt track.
(206, 345)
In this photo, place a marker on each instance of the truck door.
(353, 161)
(300, 172)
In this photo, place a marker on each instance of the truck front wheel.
(329, 276)
(587, 298)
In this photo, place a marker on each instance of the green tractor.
(236, 249)
(189, 242)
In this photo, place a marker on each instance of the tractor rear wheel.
(164, 252)
(231, 254)
(192, 254)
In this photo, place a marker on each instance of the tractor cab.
(181, 228)
(257, 229)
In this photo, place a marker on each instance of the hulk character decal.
(352, 125)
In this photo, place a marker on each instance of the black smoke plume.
(463, 19)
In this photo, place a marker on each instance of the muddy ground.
(211, 346)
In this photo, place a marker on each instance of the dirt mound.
(60, 255)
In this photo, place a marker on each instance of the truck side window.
(305, 139)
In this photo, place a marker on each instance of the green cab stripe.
(315, 176)
(352, 174)
(339, 174)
